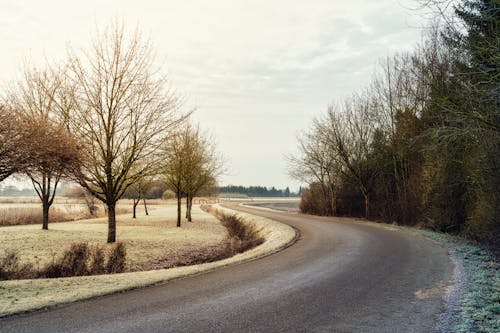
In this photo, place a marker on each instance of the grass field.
(18, 296)
(152, 241)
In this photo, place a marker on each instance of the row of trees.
(192, 166)
(106, 119)
(256, 191)
(421, 143)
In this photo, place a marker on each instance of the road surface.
(340, 276)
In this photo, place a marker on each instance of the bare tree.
(122, 112)
(48, 150)
(53, 153)
(348, 132)
(191, 164)
(137, 192)
(11, 156)
(203, 166)
(174, 169)
(317, 163)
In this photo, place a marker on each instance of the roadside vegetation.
(420, 145)
(242, 236)
(475, 304)
(151, 242)
(18, 296)
(79, 259)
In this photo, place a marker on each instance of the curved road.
(340, 276)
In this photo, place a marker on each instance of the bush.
(313, 201)
(242, 236)
(78, 260)
(116, 260)
(81, 259)
(97, 258)
(10, 267)
(168, 194)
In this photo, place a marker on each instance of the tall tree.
(122, 112)
(11, 155)
(203, 166)
(174, 167)
(349, 132)
(53, 153)
(191, 165)
(48, 150)
(318, 163)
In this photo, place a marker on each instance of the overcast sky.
(257, 71)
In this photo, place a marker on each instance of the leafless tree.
(317, 163)
(348, 131)
(48, 150)
(53, 153)
(122, 111)
(191, 164)
(11, 156)
(137, 192)
(174, 168)
(203, 166)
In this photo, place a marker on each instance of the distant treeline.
(257, 191)
(13, 191)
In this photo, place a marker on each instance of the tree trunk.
(190, 205)
(187, 207)
(45, 207)
(367, 203)
(145, 206)
(136, 202)
(111, 223)
(333, 204)
(179, 204)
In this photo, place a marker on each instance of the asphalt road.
(340, 276)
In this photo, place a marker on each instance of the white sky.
(258, 71)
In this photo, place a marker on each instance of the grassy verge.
(475, 307)
(17, 296)
(152, 241)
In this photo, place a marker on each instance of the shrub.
(117, 259)
(78, 260)
(73, 262)
(313, 201)
(168, 194)
(10, 267)
(96, 264)
(242, 236)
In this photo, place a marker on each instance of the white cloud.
(258, 70)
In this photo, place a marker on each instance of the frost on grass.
(478, 282)
(25, 295)
(149, 239)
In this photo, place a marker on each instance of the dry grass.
(22, 213)
(25, 295)
(243, 236)
(33, 215)
(152, 241)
